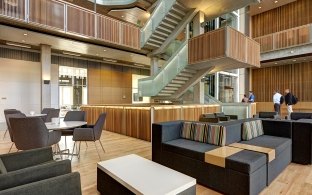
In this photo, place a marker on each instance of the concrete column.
(244, 76)
(197, 20)
(154, 66)
(199, 88)
(199, 93)
(46, 101)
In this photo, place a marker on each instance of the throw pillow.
(217, 135)
(252, 129)
(188, 131)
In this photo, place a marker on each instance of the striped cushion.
(188, 130)
(202, 132)
(217, 135)
(252, 129)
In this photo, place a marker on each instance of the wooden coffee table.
(133, 174)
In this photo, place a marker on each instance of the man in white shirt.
(277, 102)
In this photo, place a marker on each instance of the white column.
(154, 66)
(199, 93)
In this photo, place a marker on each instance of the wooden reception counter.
(136, 121)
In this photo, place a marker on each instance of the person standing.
(289, 102)
(251, 98)
(277, 102)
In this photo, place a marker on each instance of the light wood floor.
(296, 179)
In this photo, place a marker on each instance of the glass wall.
(72, 87)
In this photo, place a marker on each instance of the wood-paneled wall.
(135, 121)
(296, 77)
(285, 17)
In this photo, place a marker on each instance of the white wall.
(20, 86)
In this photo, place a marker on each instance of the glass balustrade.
(157, 16)
(151, 86)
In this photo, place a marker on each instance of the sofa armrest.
(63, 184)
(163, 132)
(27, 158)
(34, 173)
(279, 128)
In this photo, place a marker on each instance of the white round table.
(64, 125)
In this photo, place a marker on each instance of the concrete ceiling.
(267, 5)
(34, 39)
(215, 8)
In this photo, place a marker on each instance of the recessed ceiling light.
(275, 1)
(122, 16)
(71, 54)
(275, 63)
(294, 60)
(292, 52)
(18, 45)
(97, 54)
(25, 34)
(104, 50)
(260, 7)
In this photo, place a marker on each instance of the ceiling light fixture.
(71, 54)
(260, 7)
(294, 60)
(275, 63)
(109, 60)
(122, 16)
(104, 50)
(25, 34)
(275, 1)
(18, 45)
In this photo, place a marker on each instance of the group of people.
(279, 99)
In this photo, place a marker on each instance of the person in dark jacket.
(288, 102)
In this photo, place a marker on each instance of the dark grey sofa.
(246, 172)
(35, 172)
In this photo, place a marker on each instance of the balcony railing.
(284, 39)
(68, 18)
(224, 43)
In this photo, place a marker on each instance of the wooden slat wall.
(108, 29)
(191, 113)
(80, 21)
(130, 36)
(137, 121)
(292, 15)
(207, 46)
(296, 77)
(236, 45)
(224, 42)
(47, 12)
(17, 11)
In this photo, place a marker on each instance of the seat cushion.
(252, 129)
(246, 161)
(267, 141)
(189, 148)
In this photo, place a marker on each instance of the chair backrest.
(75, 116)
(46, 110)
(8, 117)
(98, 127)
(29, 133)
(53, 113)
(219, 114)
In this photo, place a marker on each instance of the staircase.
(168, 19)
